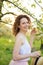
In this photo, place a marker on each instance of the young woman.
(22, 48)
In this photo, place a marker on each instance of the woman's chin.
(26, 30)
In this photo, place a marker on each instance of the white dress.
(24, 49)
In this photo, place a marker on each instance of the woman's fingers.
(36, 53)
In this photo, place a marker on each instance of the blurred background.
(9, 10)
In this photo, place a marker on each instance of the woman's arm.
(17, 56)
(32, 36)
(31, 40)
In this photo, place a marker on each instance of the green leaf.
(33, 5)
(40, 1)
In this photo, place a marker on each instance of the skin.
(19, 41)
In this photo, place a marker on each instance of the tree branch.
(21, 9)
(8, 13)
(38, 4)
(25, 12)
(4, 22)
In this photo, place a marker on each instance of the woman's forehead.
(23, 19)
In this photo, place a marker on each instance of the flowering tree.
(11, 6)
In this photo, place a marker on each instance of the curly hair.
(15, 28)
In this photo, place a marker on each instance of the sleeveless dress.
(25, 49)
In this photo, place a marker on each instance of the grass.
(6, 47)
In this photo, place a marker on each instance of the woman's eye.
(25, 22)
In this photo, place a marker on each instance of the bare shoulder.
(18, 41)
(19, 37)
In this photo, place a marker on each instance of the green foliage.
(40, 1)
(33, 5)
(6, 48)
(37, 44)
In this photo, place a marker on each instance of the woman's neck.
(23, 32)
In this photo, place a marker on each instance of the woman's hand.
(34, 31)
(36, 53)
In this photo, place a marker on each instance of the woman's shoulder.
(19, 36)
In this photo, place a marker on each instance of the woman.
(22, 48)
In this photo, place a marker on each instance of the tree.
(18, 4)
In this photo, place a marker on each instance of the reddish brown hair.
(17, 23)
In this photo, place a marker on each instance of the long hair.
(15, 28)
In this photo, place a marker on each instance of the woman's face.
(24, 24)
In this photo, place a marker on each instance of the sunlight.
(25, 3)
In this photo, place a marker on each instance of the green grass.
(6, 48)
